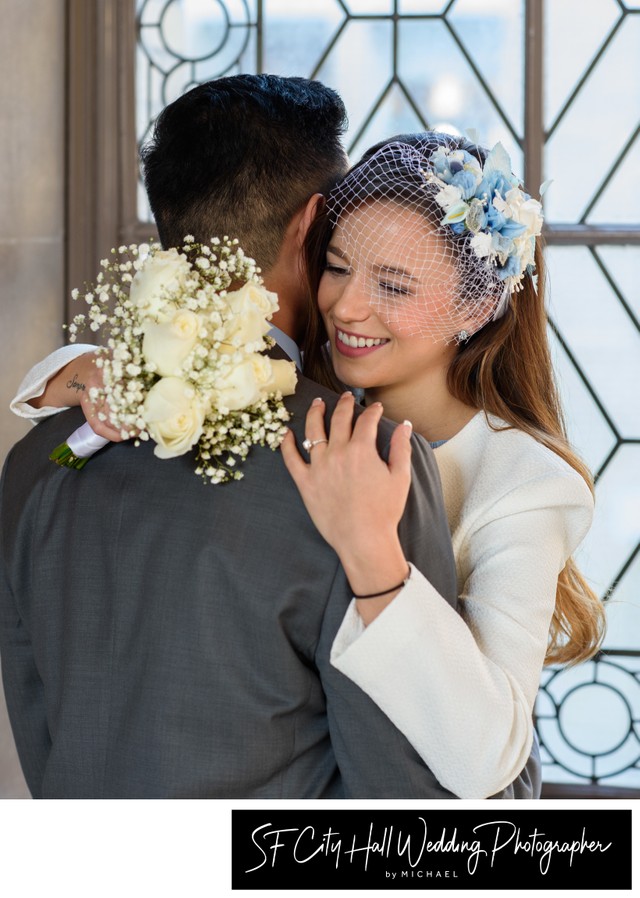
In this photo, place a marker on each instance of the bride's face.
(386, 284)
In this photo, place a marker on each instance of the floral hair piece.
(489, 202)
(437, 240)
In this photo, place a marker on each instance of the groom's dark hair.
(239, 156)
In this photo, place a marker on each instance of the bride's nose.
(353, 304)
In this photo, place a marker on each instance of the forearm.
(34, 399)
(66, 387)
(377, 569)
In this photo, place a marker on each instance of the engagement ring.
(309, 444)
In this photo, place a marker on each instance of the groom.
(161, 638)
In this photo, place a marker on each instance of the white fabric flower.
(449, 196)
(527, 212)
(482, 244)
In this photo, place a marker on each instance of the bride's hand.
(71, 386)
(355, 499)
(94, 408)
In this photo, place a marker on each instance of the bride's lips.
(354, 345)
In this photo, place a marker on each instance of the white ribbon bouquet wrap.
(184, 363)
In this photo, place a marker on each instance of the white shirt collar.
(287, 344)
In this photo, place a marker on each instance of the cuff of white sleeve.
(22, 409)
(37, 378)
(356, 646)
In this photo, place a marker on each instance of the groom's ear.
(314, 205)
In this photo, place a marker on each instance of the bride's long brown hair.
(505, 369)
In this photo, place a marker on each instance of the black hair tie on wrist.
(375, 595)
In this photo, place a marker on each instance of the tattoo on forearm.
(73, 384)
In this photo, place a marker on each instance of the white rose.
(162, 273)
(245, 383)
(283, 378)
(256, 295)
(168, 343)
(249, 309)
(173, 416)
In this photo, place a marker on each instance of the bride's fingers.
(400, 454)
(294, 463)
(342, 421)
(314, 428)
(365, 430)
(104, 428)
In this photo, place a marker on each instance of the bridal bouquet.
(184, 363)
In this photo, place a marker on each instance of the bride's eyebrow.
(390, 269)
(337, 252)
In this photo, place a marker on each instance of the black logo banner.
(417, 849)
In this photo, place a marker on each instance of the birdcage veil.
(438, 237)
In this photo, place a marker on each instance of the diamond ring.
(309, 444)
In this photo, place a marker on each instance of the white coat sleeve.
(36, 379)
(462, 687)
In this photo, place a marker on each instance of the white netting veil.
(438, 237)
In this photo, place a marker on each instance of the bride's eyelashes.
(337, 270)
(396, 289)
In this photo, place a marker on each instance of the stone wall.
(32, 225)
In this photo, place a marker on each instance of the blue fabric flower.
(511, 268)
(512, 229)
(495, 219)
(466, 182)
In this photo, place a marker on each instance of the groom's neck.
(292, 312)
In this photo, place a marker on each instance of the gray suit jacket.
(165, 638)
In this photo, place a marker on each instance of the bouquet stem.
(63, 456)
(78, 449)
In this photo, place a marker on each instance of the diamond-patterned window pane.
(623, 265)
(442, 82)
(588, 429)
(616, 527)
(620, 200)
(623, 612)
(295, 44)
(361, 41)
(597, 329)
(492, 34)
(421, 7)
(369, 7)
(598, 124)
(566, 66)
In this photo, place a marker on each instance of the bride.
(427, 272)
